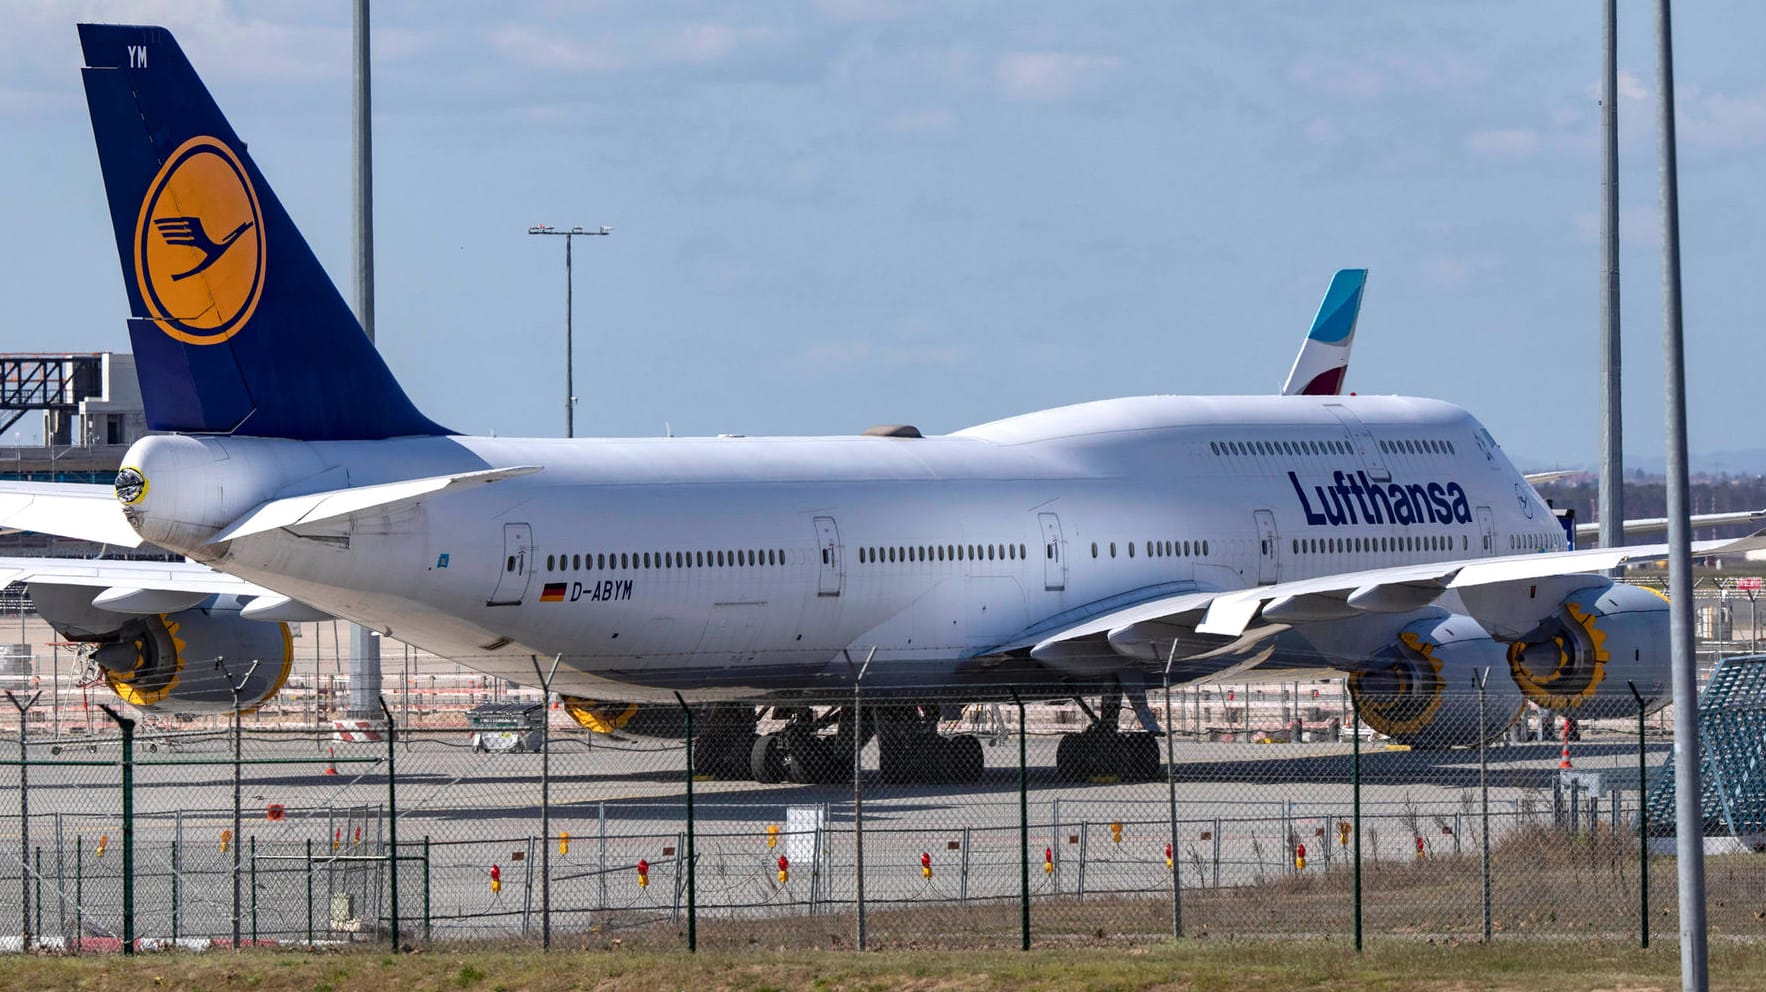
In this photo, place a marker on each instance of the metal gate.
(517, 571)
(828, 544)
(1054, 557)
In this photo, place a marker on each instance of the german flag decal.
(553, 593)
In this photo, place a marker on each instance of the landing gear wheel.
(765, 760)
(816, 761)
(966, 762)
(1140, 753)
(1073, 758)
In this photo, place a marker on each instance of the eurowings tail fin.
(236, 327)
(1323, 361)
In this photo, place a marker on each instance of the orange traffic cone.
(1566, 762)
(331, 761)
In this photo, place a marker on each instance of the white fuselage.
(761, 564)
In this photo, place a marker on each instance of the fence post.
(127, 726)
(546, 795)
(1484, 801)
(254, 890)
(1171, 793)
(858, 796)
(233, 844)
(79, 891)
(1355, 812)
(392, 820)
(24, 818)
(1023, 823)
(309, 892)
(175, 886)
(1642, 822)
(692, 861)
(427, 937)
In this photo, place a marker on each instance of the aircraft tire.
(965, 760)
(765, 762)
(1073, 757)
(1140, 754)
(816, 761)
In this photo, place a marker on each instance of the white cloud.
(697, 43)
(1356, 80)
(919, 121)
(1321, 131)
(1509, 143)
(854, 11)
(1458, 270)
(1049, 77)
(834, 355)
(1722, 122)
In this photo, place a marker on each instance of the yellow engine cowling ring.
(1586, 657)
(1423, 690)
(190, 662)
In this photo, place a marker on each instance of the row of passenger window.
(1531, 542)
(943, 552)
(1295, 448)
(732, 558)
(1361, 545)
(1413, 447)
(1395, 447)
(1161, 549)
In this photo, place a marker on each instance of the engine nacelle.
(1423, 690)
(1587, 655)
(183, 662)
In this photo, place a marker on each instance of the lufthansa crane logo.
(199, 244)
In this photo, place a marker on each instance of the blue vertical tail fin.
(236, 328)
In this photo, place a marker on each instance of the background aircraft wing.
(293, 511)
(166, 576)
(80, 511)
(1645, 525)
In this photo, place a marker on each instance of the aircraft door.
(828, 548)
(1487, 524)
(1054, 553)
(1266, 548)
(517, 571)
(1365, 445)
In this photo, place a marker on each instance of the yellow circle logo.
(199, 244)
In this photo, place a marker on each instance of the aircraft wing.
(1229, 615)
(167, 576)
(81, 511)
(1645, 525)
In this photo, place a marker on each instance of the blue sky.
(838, 213)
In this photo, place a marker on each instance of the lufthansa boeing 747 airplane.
(1094, 549)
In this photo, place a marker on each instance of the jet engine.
(184, 661)
(1423, 689)
(1587, 655)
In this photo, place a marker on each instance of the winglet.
(1323, 361)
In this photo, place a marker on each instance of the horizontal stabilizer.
(82, 512)
(315, 507)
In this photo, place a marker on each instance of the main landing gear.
(1102, 751)
(910, 748)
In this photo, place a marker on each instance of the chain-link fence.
(1254, 810)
